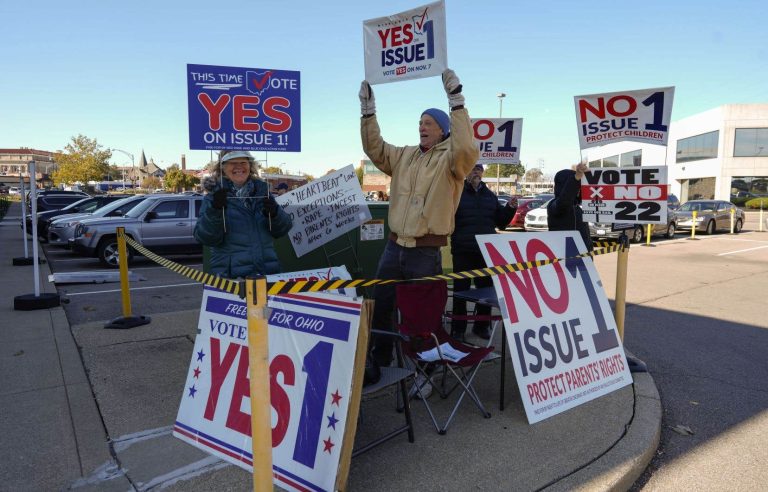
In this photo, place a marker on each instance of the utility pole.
(133, 169)
(501, 97)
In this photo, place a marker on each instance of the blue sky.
(117, 71)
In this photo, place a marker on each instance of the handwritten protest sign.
(639, 116)
(635, 195)
(244, 108)
(562, 336)
(498, 139)
(405, 46)
(312, 343)
(324, 209)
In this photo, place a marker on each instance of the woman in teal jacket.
(240, 219)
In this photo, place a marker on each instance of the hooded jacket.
(564, 211)
(479, 212)
(247, 247)
(426, 186)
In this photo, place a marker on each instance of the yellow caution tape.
(297, 286)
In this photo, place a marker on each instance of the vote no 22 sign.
(635, 195)
(498, 139)
(312, 343)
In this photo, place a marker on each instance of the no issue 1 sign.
(498, 139)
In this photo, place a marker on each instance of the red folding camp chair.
(420, 307)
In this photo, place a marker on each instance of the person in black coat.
(479, 212)
(564, 211)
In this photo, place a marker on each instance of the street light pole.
(133, 170)
(501, 97)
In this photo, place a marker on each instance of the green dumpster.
(359, 249)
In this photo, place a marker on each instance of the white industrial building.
(716, 154)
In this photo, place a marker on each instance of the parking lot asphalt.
(102, 412)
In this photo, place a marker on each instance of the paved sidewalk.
(91, 409)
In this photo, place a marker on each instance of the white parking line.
(162, 267)
(745, 240)
(134, 288)
(131, 268)
(742, 250)
(69, 259)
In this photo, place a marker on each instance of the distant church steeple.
(142, 161)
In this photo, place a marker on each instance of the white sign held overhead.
(634, 195)
(324, 209)
(498, 139)
(405, 46)
(638, 116)
(563, 339)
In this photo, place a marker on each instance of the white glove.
(367, 101)
(452, 88)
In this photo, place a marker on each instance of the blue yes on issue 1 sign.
(244, 108)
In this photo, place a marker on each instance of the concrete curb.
(90, 436)
(622, 465)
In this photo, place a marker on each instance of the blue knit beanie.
(441, 118)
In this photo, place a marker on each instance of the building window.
(631, 159)
(698, 147)
(701, 189)
(594, 164)
(749, 186)
(612, 161)
(751, 142)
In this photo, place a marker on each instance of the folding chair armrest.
(437, 346)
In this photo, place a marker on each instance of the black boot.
(482, 331)
(372, 372)
(458, 334)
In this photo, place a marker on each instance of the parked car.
(638, 233)
(524, 205)
(673, 202)
(504, 198)
(55, 202)
(711, 216)
(84, 205)
(62, 228)
(42, 193)
(162, 223)
(14, 190)
(536, 219)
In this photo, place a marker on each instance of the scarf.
(245, 193)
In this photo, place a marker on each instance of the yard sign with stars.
(312, 342)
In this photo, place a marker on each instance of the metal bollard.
(693, 226)
(733, 212)
(648, 233)
(127, 320)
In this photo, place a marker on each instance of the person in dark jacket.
(479, 212)
(240, 219)
(564, 211)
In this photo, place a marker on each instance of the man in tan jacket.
(427, 181)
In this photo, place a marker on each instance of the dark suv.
(82, 205)
(41, 193)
